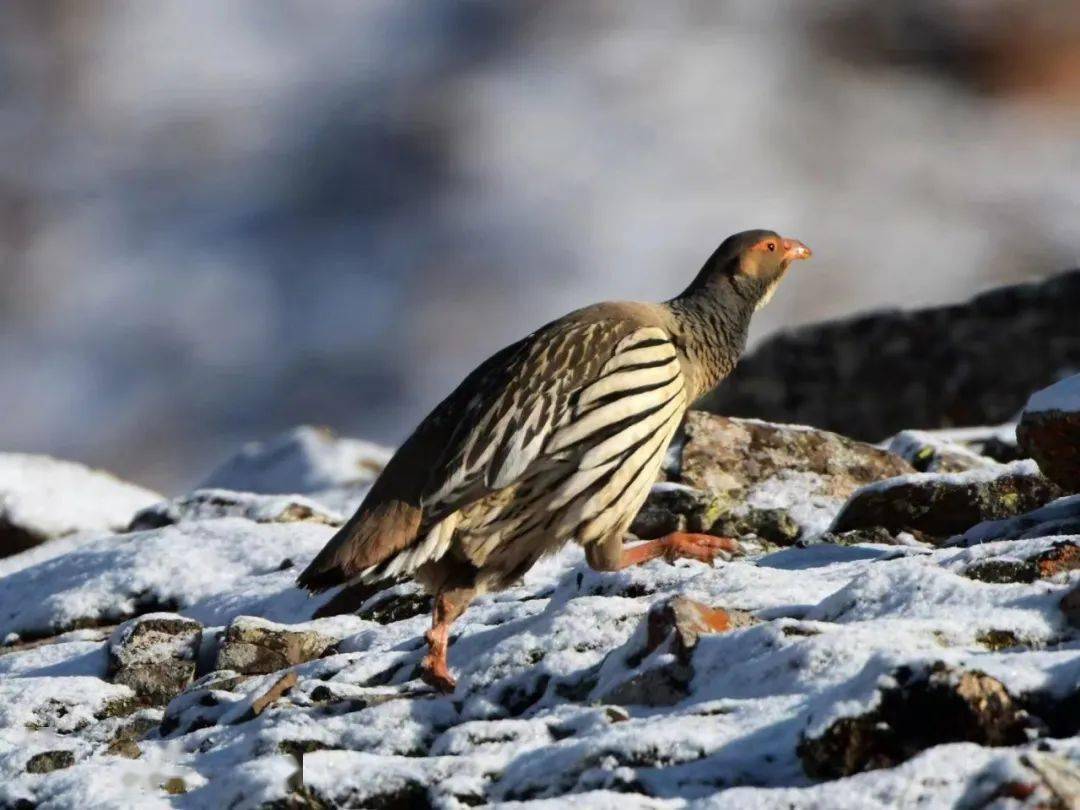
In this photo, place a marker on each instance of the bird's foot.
(435, 672)
(702, 547)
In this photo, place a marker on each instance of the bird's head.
(754, 262)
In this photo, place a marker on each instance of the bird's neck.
(710, 326)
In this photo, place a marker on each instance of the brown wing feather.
(478, 440)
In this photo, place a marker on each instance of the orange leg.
(434, 669)
(679, 545)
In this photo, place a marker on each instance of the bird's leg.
(611, 555)
(449, 604)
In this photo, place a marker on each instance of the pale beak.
(794, 249)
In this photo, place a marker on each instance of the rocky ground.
(904, 631)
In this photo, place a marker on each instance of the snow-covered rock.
(1049, 431)
(210, 571)
(939, 505)
(210, 504)
(155, 654)
(42, 498)
(929, 451)
(749, 467)
(312, 461)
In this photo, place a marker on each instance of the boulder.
(1060, 517)
(916, 711)
(1049, 431)
(942, 505)
(210, 504)
(155, 654)
(874, 375)
(42, 498)
(679, 508)
(49, 761)
(253, 646)
(745, 465)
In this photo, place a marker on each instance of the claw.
(434, 672)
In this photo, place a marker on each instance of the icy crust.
(1061, 396)
(52, 498)
(529, 722)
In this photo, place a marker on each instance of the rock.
(942, 505)
(685, 621)
(920, 711)
(155, 655)
(1060, 517)
(49, 761)
(1062, 557)
(42, 498)
(679, 622)
(775, 525)
(929, 452)
(749, 465)
(675, 508)
(876, 535)
(1070, 606)
(278, 689)
(210, 504)
(253, 646)
(874, 375)
(1049, 431)
(313, 461)
(129, 749)
(678, 508)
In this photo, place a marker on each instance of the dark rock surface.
(945, 505)
(922, 710)
(155, 655)
(874, 375)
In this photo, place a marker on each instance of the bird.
(555, 438)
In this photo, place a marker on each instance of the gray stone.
(155, 655)
(253, 646)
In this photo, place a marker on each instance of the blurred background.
(218, 220)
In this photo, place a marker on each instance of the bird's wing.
(547, 399)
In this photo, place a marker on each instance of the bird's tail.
(372, 536)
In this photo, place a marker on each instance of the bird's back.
(511, 446)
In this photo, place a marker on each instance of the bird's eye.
(772, 246)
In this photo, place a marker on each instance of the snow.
(1062, 514)
(532, 722)
(1061, 396)
(212, 570)
(305, 460)
(53, 498)
(909, 443)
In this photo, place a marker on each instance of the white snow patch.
(53, 498)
